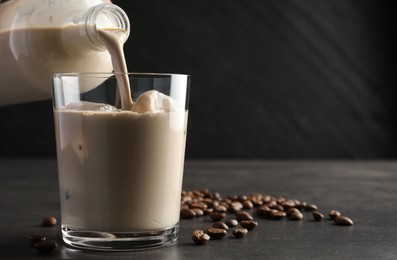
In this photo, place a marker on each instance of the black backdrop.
(270, 79)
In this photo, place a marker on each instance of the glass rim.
(109, 74)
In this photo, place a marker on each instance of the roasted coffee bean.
(266, 199)
(279, 199)
(240, 232)
(310, 207)
(249, 224)
(187, 214)
(291, 210)
(184, 206)
(231, 222)
(226, 201)
(186, 199)
(213, 204)
(343, 221)
(220, 225)
(242, 198)
(208, 211)
(243, 215)
(297, 202)
(235, 206)
(317, 216)
(208, 202)
(220, 209)
(198, 193)
(216, 216)
(198, 205)
(271, 204)
(247, 204)
(333, 214)
(216, 233)
(277, 207)
(199, 237)
(301, 205)
(288, 204)
(45, 246)
(256, 199)
(198, 212)
(277, 215)
(233, 197)
(49, 221)
(213, 195)
(263, 211)
(297, 215)
(36, 238)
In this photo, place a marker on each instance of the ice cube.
(89, 106)
(154, 101)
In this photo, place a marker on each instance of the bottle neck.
(103, 16)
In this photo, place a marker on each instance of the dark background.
(270, 78)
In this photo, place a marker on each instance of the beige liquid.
(29, 58)
(121, 170)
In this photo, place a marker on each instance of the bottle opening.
(105, 16)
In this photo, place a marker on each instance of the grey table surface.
(365, 191)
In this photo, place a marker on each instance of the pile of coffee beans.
(40, 242)
(232, 212)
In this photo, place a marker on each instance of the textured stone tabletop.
(366, 191)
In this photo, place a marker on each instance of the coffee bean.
(271, 204)
(198, 205)
(240, 232)
(220, 225)
(288, 204)
(277, 207)
(208, 211)
(317, 216)
(199, 237)
(266, 199)
(216, 233)
(231, 222)
(279, 199)
(343, 221)
(220, 209)
(198, 212)
(310, 207)
(235, 206)
(291, 210)
(243, 215)
(216, 216)
(249, 224)
(263, 211)
(213, 195)
(45, 246)
(187, 214)
(225, 201)
(208, 201)
(242, 198)
(333, 214)
(198, 193)
(247, 204)
(297, 215)
(186, 198)
(36, 238)
(256, 199)
(301, 205)
(277, 215)
(48, 221)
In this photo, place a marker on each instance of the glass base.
(119, 241)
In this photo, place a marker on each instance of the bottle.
(41, 37)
